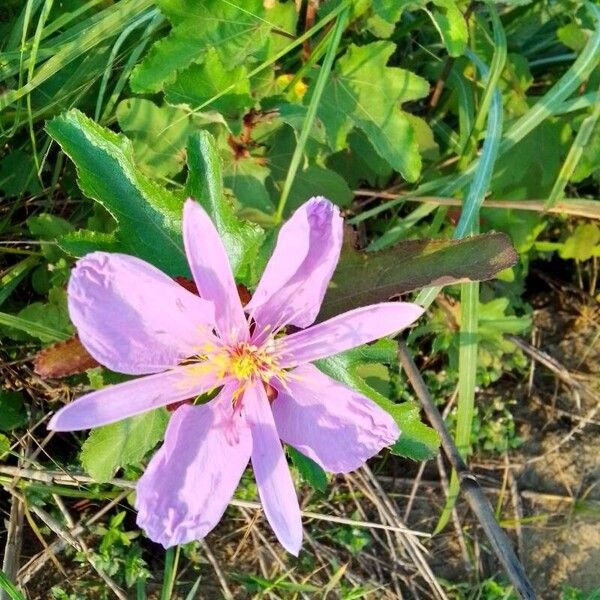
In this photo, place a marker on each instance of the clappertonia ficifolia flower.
(134, 319)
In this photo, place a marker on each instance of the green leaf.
(12, 410)
(582, 244)
(363, 278)
(4, 446)
(80, 243)
(451, 25)
(123, 443)
(363, 92)
(237, 30)
(46, 321)
(199, 83)
(50, 228)
(241, 239)
(309, 470)
(148, 216)
(317, 181)
(245, 176)
(158, 135)
(531, 167)
(17, 175)
(417, 441)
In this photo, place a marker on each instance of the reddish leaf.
(63, 359)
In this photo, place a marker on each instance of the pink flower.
(134, 319)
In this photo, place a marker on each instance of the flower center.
(246, 362)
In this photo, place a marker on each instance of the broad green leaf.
(313, 179)
(363, 92)
(417, 440)
(46, 321)
(309, 470)
(241, 239)
(158, 135)
(123, 443)
(445, 15)
(245, 175)
(148, 216)
(531, 167)
(583, 243)
(363, 278)
(238, 31)
(12, 410)
(451, 26)
(359, 163)
(49, 228)
(200, 82)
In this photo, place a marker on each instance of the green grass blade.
(147, 16)
(35, 329)
(14, 275)
(9, 588)
(128, 67)
(116, 16)
(170, 574)
(34, 50)
(575, 152)
(311, 113)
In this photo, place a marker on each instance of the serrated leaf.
(363, 278)
(417, 441)
(79, 243)
(363, 92)
(148, 216)
(241, 239)
(309, 470)
(451, 25)
(12, 410)
(200, 82)
(144, 122)
(238, 31)
(126, 442)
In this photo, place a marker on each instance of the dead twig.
(469, 485)
(574, 207)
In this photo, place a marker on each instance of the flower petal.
(271, 471)
(332, 424)
(131, 317)
(116, 402)
(295, 280)
(191, 479)
(348, 330)
(212, 272)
